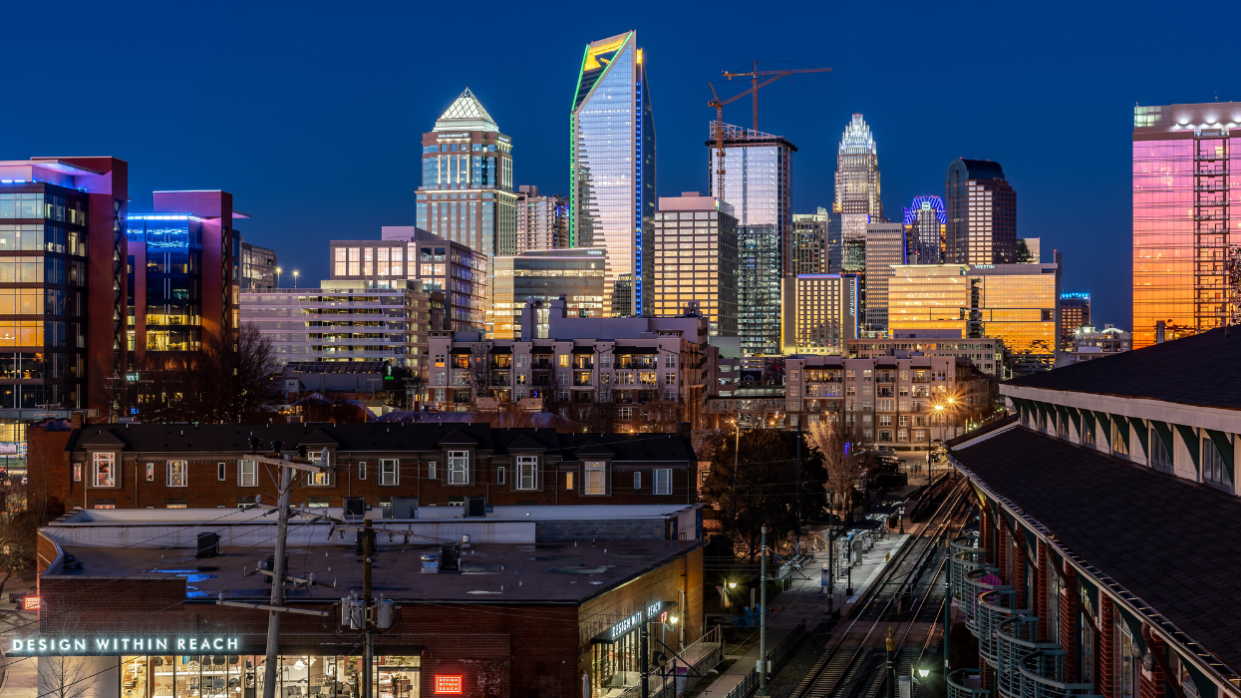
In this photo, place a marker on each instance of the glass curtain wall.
(242, 676)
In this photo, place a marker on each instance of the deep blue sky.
(311, 113)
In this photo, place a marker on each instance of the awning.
(583, 350)
(542, 350)
(630, 351)
(461, 350)
(501, 350)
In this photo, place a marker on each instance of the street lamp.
(295, 275)
(278, 272)
(924, 672)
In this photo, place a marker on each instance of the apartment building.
(987, 353)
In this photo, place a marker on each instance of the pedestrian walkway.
(806, 601)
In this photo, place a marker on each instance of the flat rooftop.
(1171, 542)
(559, 573)
(499, 514)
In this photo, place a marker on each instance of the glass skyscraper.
(612, 175)
(758, 184)
(926, 221)
(806, 247)
(857, 198)
(467, 180)
(981, 214)
(575, 275)
(1185, 210)
(696, 260)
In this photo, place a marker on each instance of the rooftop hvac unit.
(404, 508)
(355, 508)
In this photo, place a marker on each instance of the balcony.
(994, 608)
(580, 380)
(971, 590)
(1043, 676)
(966, 557)
(1017, 638)
(966, 683)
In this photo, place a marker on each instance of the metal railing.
(971, 589)
(966, 683)
(707, 653)
(1017, 638)
(967, 556)
(1043, 675)
(995, 607)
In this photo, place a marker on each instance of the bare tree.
(67, 677)
(842, 462)
(754, 485)
(19, 541)
(480, 372)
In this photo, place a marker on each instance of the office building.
(926, 221)
(184, 279)
(986, 353)
(696, 259)
(1091, 343)
(407, 252)
(542, 221)
(576, 275)
(820, 313)
(345, 321)
(858, 199)
(887, 245)
(758, 179)
(806, 248)
(258, 267)
(1015, 303)
(982, 214)
(612, 167)
(467, 180)
(1186, 213)
(62, 313)
(1029, 251)
(1074, 314)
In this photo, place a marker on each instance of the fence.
(700, 656)
(777, 656)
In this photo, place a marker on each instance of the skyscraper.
(575, 275)
(820, 313)
(857, 198)
(925, 221)
(542, 221)
(1074, 313)
(696, 259)
(982, 214)
(467, 180)
(612, 167)
(1185, 207)
(887, 244)
(758, 178)
(806, 245)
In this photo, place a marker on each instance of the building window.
(500, 475)
(220, 472)
(431, 469)
(150, 472)
(178, 473)
(595, 482)
(1213, 470)
(637, 480)
(177, 503)
(1160, 460)
(663, 481)
(247, 473)
(77, 472)
(104, 470)
(527, 472)
(563, 360)
(1120, 440)
(361, 470)
(1062, 428)
(458, 467)
(1088, 430)
(568, 481)
(670, 379)
(624, 413)
(670, 361)
(1127, 677)
(390, 474)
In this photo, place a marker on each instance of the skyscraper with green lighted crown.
(612, 176)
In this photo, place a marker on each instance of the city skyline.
(270, 129)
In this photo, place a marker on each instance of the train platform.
(806, 601)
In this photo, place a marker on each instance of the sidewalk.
(805, 601)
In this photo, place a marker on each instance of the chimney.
(75, 420)
(1159, 332)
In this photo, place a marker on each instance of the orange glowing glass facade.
(1185, 210)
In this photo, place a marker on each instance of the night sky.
(311, 113)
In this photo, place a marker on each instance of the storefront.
(616, 653)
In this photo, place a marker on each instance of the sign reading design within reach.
(79, 645)
(654, 610)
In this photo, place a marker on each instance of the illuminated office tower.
(806, 248)
(542, 221)
(612, 167)
(887, 244)
(982, 214)
(696, 260)
(467, 180)
(1186, 213)
(857, 198)
(1013, 302)
(820, 313)
(1029, 250)
(1074, 313)
(758, 177)
(575, 275)
(925, 221)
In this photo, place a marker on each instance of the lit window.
(247, 473)
(105, 470)
(150, 472)
(595, 472)
(527, 472)
(178, 473)
(458, 467)
(663, 481)
(362, 470)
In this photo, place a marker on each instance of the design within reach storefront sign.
(653, 610)
(77, 645)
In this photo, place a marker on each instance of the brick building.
(1102, 564)
(139, 466)
(140, 611)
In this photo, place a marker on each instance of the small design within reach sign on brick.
(451, 684)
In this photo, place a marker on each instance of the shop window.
(595, 482)
(150, 472)
(458, 467)
(105, 503)
(663, 481)
(390, 474)
(527, 472)
(177, 503)
(104, 466)
(177, 473)
(318, 502)
(1125, 662)
(247, 473)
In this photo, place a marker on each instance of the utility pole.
(762, 618)
(891, 663)
(646, 659)
(947, 606)
(277, 584)
(368, 553)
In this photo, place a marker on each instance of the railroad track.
(908, 590)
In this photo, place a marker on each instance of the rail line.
(904, 593)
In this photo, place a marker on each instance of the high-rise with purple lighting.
(925, 223)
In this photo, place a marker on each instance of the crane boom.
(718, 105)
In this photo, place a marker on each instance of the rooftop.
(1129, 522)
(466, 113)
(1200, 370)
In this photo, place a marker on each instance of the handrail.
(994, 607)
(971, 589)
(1036, 684)
(959, 684)
(1016, 638)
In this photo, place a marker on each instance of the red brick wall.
(1151, 683)
(47, 467)
(1040, 593)
(1106, 643)
(1019, 566)
(1068, 621)
(1002, 552)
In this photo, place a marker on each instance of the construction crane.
(718, 104)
